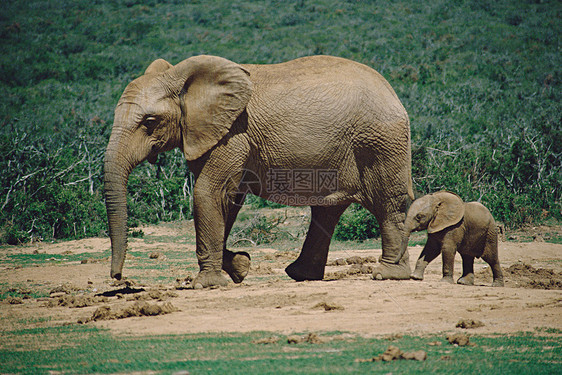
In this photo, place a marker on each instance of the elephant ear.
(449, 211)
(213, 92)
(158, 66)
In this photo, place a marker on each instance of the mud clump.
(266, 341)
(311, 338)
(78, 301)
(459, 339)
(14, 300)
(262, 269)
(326, 306)
(393, 353)
(140, 308)
(93, 260)
(281, 255)
(527, 276)
(153, 294)
(353, 270)
(64, 289)
(352, 260)
(184, 283)
(469, 323)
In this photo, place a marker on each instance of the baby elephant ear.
(158, 66)
(449, 210)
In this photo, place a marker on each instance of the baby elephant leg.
(430, 251)
(491, 257)
(448, 257)
(467, 277)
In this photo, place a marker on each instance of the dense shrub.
(356, 224)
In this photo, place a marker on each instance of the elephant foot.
(301, 272)
(207, 279)
(466, 280)
(417, 276)
(393, 271)
(447, 279)
(498, 282)
(236, 265)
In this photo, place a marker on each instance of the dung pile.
(139, 308)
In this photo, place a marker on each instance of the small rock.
(154, 255)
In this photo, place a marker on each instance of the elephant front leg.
(467, 277)
(311, 262)
(448, 257)
(209, 228)
(393, 238)
(430, 251)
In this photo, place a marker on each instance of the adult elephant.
(320, 131)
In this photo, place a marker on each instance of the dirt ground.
(347, 300)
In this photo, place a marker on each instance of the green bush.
(356, 224)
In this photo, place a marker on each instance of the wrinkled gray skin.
(452, 226)
(237, 123)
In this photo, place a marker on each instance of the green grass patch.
(86, 349)
(42, 259)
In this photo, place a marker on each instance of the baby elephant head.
(434, 212)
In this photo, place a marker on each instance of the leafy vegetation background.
(480, 80)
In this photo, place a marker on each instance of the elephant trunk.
(118, 165)
(116, 206)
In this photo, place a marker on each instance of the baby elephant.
(453, 225)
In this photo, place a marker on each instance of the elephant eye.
(150, 122)
(419, 217)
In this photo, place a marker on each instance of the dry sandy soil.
(269, 301)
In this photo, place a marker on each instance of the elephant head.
(433, 212)
(191, 105)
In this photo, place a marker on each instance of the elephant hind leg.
(311, 262)
(491, 257)
(393, 239)
(236, 264)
